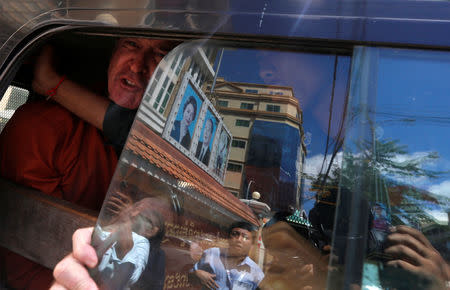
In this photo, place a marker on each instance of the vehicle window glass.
(394, 203)
(202, 163)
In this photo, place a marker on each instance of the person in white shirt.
(124, 246)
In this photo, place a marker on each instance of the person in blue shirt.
(230, 268)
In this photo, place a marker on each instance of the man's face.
(208, 132)
(132, 64)
(240, 242)
(188, 114)
(146, 222)
(146, 225)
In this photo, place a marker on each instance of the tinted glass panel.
(195, 168)
(394, 203)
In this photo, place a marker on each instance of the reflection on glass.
(182, 129)
(395, 170)
(284, 114)
(203, 151)
(231, 267)
(222, 153)
(128, 246)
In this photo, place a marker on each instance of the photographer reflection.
(410, 250)
(230, 268)
(124, 246)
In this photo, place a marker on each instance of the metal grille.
(13, 98)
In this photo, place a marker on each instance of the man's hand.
(119, 202)
(413, 252)
(207, 279)
(45, 75)
(71, 273)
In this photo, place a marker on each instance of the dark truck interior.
(30, 220)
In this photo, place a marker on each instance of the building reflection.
(267, 146)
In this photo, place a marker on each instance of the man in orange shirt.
(58, 147)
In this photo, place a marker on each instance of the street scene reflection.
(283, 170)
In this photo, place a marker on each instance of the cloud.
(417, 181)
(423, 181)
(314, 163)
(441, 189)
(400, 158)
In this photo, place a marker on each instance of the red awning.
(157, 151)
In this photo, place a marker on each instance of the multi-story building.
(267, 150)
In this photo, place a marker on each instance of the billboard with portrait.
(221, 152)
(193, 127)
(182, 128)
(204, 146)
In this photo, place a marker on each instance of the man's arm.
(75, 98)
(206, 278)
(71, 272)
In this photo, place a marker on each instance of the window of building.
(247, 106)
(175, 61)
(238, 143)
(166, 98)
(155, 82)
(234, 167)
(243, 123)
(276, 93)
(180, 65)
(251, 91)
(161, 92)
(222, 103)
(273, 108)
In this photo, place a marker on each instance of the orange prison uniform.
(46, 147)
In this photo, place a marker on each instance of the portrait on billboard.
(222, 153)
(203, 151)
(186, 118)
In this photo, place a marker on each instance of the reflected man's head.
(240, 239)
(147, 221)
(132, 64)
(189, 110)
(208, 131)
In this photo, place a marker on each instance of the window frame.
(238, 141)
(242, 123)
(273, 108)
(18, 54)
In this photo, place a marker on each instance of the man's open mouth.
(127, 83)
